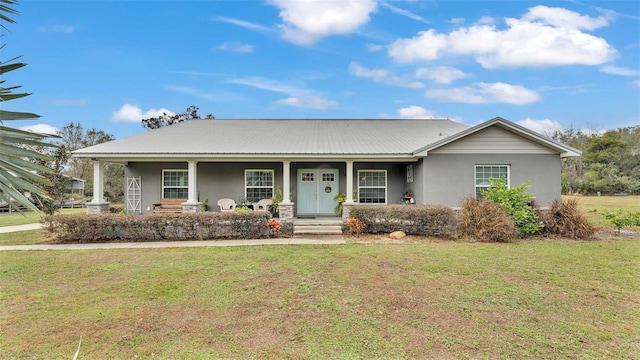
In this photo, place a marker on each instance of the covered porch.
(308, 186)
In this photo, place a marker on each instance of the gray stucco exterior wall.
(449, 178)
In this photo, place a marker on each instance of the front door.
(316, 190)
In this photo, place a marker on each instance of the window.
(328, 177)
(258, 184)
(175, 184)
(372, 186)
(486, 172)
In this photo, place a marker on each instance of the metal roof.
(274, 137)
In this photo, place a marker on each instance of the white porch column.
(349, 190)
(98, 183)
(192, 182)
(286, 181)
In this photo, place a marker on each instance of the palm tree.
(18, 149)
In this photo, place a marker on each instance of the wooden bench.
(168, 206)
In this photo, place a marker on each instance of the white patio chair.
(227, 204)
(263, 205)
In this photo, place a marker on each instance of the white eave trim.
(124, 158)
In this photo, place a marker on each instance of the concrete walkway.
(14, 228)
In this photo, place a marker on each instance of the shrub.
(274, 225)
(565, 219)
(83, 228)
(620, 219)
(485, 221)
(516, 202)
(355, 226)
(425, 220)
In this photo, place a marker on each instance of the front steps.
(317, 226)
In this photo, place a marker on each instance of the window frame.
(476, 187)
(385, 187)
(164, 171)
(246, 185)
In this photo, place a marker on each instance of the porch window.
(258, 184)
(175, 184)
(372, 186)
(485, 172)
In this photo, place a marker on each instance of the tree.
(74, 137)
(19, 174)
(165, 120)
(57, 181)
(610, 161)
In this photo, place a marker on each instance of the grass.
(529, 299)
(594, 206)
(30, 217)
(28, 237)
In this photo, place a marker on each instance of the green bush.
(83, 228)
(515, 202)
(622, 219)
(427, 220)
(564, 218)
(485, 221)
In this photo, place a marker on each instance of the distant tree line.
(610, 161)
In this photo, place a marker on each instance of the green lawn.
(594, 206)
(30, 217)
(441, 300)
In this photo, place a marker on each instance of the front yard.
(530, 299)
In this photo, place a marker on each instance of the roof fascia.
(126, 158)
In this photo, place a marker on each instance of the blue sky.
(544, 65)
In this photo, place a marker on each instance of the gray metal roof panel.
(284, 136)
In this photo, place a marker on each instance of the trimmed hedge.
(83, 228)
(428, 220)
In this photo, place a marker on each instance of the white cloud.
(382, 76)
(242, 23)
(307, 21)
(415, 112)
(192, 91)
(403, 12)
(441, 74)
(297, 96)
(636, 83)
(456, 21)
(314, 102)
(486, 20)
(374, 47)
(133, 113)
(236, 46)
(41, 129)
(484, 93)
(545, 127)
(564, 18)
(67, 29)
(542, 37)
(616, 70)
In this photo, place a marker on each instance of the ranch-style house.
(425, 161)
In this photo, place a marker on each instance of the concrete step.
(317, 229)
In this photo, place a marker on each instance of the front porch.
(307, 188)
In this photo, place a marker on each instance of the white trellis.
(134, 195)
